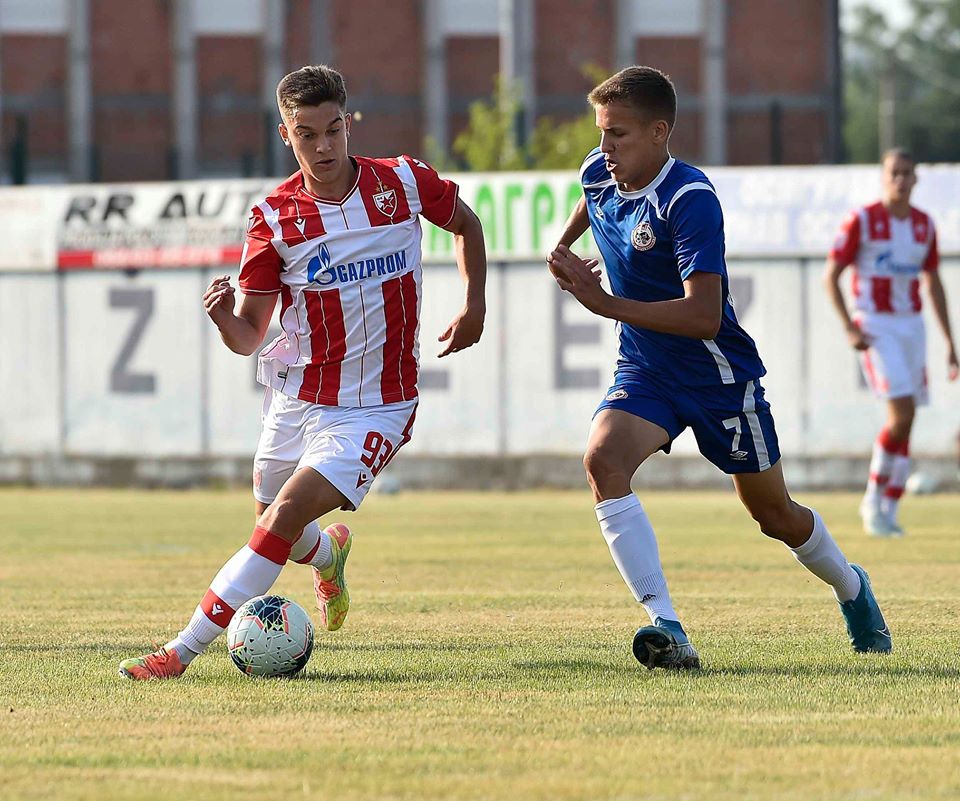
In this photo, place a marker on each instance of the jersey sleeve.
(260, 264)
(847, 243)
(696, 226)
(932, 261)
(438, 196)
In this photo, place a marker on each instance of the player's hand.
(578, 277)
(858, 340)
(953, 366)
(219, 299)
(464, 330)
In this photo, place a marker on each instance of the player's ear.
(347, 122)
(282, 130)
(661, 131)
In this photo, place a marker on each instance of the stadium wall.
(112, 374)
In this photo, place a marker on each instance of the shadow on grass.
(872, 668)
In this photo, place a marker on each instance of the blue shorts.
(732, 422)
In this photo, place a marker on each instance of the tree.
(487, 143)
(917, 70)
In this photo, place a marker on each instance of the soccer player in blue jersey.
(684, 361)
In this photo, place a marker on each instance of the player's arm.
(697, 314)
(938, 299)
(244, 330)
(831, 282)
(577, 223)
(842, 254)
(467, 326)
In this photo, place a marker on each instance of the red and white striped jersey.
(887, 255)
(349, 278)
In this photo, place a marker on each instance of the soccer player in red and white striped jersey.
(339, 244)
(892, 247)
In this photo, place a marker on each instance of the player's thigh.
(886, 364)
(734, 426)
(280, 445)
(349, 447)
(304, 497)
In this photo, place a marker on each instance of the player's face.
(632, 143)
(318, 136)
(899, 178)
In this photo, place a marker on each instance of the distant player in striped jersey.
(339, 244)
(892, 247)
(684, 361)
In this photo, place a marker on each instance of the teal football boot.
(865, 624)
(665, 645)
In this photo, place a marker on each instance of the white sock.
(892, 493)
(313, 548)
(823, 557)
(881, 462)
(251, 571)
(633, 545)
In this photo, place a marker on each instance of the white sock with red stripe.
(633, 546)
(899, 474)
(821, 555)
(313, 548)
(885, 450)
(251, 571)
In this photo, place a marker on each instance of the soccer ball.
(270, 636)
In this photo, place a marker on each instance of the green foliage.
(922, 64)
(489, 141)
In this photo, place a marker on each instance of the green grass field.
(487, 655)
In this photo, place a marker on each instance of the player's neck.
(647, 175)
(336, 188)
(897, 208)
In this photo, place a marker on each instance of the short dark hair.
(311, 86)
(898, 153)
(647, 89)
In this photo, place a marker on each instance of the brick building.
(156, 89)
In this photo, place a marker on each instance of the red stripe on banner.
(893, 492)
(878, 479)
(74, 259)
(391, 389)
(185, 257)
(215, 608)
(915, 294)
(270, 546)
(880, 291)
(408, 362)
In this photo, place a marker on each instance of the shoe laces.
(163, 663)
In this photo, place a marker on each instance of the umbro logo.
(361, 480)
(217, 609)
(648, 597)
(739, 455)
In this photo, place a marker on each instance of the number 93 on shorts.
(348, 446)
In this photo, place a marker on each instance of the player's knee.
(282, 519)
(775, 520)
(600, 466)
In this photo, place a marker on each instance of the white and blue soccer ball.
(270, 636)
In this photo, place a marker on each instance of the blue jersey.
(651, 241)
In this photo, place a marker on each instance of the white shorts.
(895, 364)
(348, 446)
